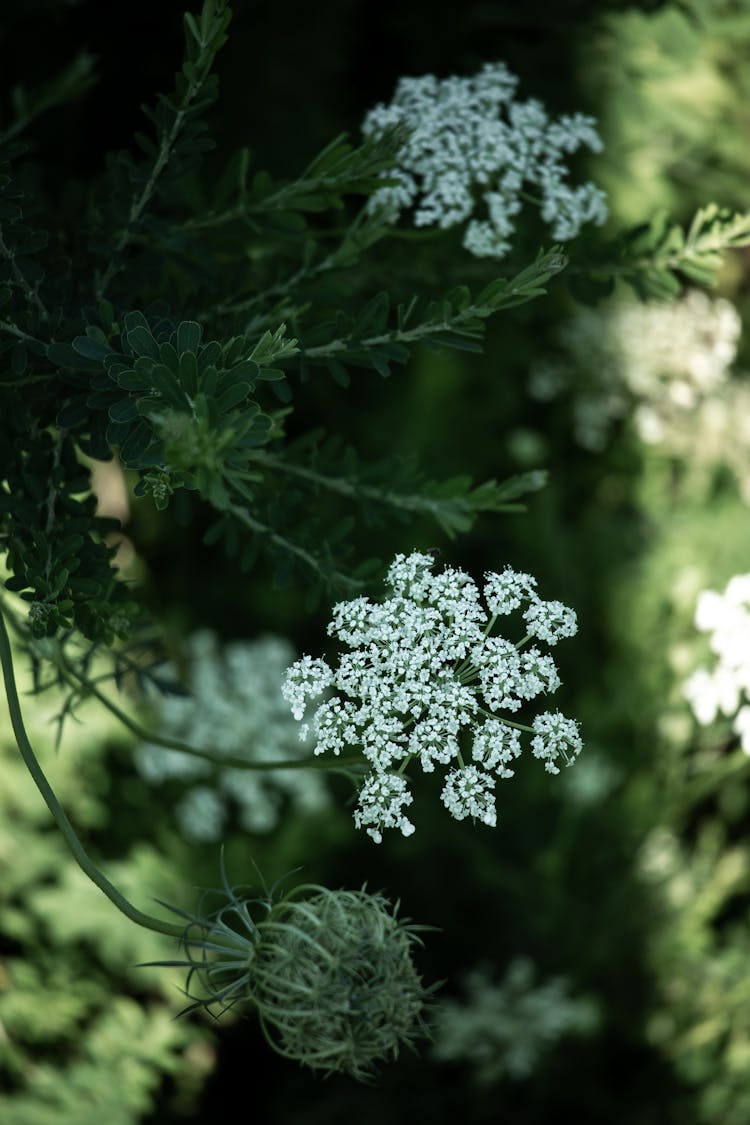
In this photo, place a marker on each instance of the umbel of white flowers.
(667, 361)
(474, 153)
(424, 678)
(725, 688)
(235, 707)
(330, 973)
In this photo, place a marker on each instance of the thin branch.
(53, 489)
(200, 70)
(285, 544)
(412, 502)
(225, 760)
(396, 335)
(14, 330)
(278, 200)
(29, 292)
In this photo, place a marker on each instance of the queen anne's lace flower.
(469, 791)
(381, 802)
(495, 745)
(667, 362)
(555, 737)
(507, 591)
(499, 673)
(235, 707)
(550, 621)
(310, 678)
(469, 142)
(424, 679)
(725, 688)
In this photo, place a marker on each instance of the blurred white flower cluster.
(235, 707)
(424, 678)
(502, 1030)
(725, 688)
(474, 153)
(662, 360)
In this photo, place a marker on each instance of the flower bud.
(330, 974)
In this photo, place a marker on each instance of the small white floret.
(469, 791)
(550, 621)
(382, 799)
(508, 591)
(555, 737)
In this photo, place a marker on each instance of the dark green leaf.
(123, 411)
(189, 334)
(88, 348)
(142, 342)
(232, 397)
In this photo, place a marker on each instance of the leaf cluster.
(177, 332)
(99, 1048)
(659, 257)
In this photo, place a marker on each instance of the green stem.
(281, 199)
(200, 70)
(19, 279)
(14, 330)
(80, 855)
(507, 722)
(353, 489)
(279, 290)
(223, 760)
(466, 666)
(396, 335)
(331, 261)
(289, 546)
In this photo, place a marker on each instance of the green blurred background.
(634, 884)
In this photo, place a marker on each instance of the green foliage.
(123, 375)
(502, 1030)
(455, 321)
(682, 68)
(694, 859)
(166, 343)
(181, 410)
(69, 84)
(179, 138)
(85, 1035)
(128, 1048)
(261, 204)
(658, 257)
(393, 488)
(48, 514)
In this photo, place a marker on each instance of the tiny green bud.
(42, 619)
(159, 483)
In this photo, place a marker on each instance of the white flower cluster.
(235, 708)
(424, 678)
(725, 689)
(502, 1030)
(663, 360)
(470, 143)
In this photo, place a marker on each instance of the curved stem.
(507, 722)
(80, 855)
(225, 760)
